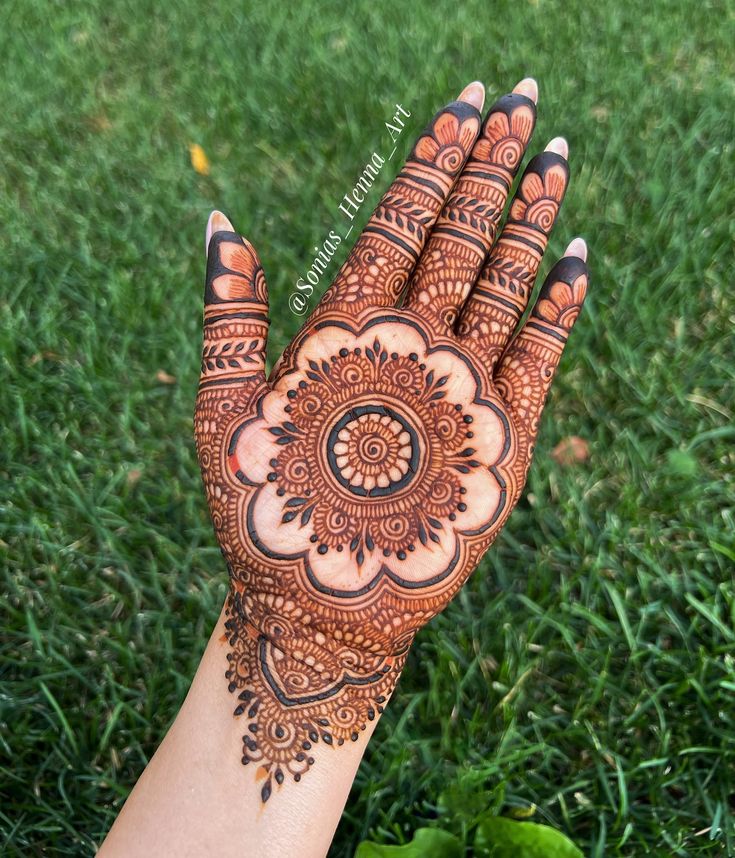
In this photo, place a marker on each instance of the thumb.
(235, 310)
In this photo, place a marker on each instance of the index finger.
(377, 270)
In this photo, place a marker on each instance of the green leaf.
(426, 843)
(498, 837)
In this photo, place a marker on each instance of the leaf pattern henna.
(501, 295)
(354, 491)
(465, 230)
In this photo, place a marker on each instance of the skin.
(355, 489)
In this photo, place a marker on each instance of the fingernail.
(577, 247)
(474, 94)
(216, 223)
(527, 87)
(558, 145)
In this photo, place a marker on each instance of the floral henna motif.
(505, 135)
(382, 473)
(354, 492)
(374, 461)
(448, 141)
(501, 294)
(561, 299)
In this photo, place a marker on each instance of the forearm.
(196, 798)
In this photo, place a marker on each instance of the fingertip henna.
(234, 272)
(520, 113)
(563, 292)
(446, 141)
(541, 192)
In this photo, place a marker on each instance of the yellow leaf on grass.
(523, 812)
(199, 160)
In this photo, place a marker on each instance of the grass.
(589, 667)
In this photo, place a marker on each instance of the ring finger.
(500, 296)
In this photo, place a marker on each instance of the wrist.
(196, 776)
(302, 685)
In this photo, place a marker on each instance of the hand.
(355, 490)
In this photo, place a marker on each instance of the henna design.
(372, 461)
(236, 315)
(527, 369)
(377, 269)
(501, 294)
(465, 230)
(354, 491)
(380, 478)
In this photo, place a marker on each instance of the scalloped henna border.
(384, 571)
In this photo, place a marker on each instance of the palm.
(383, 464)
(354, 492)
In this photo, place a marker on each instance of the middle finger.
(465, 230)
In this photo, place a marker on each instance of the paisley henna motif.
(354, 491)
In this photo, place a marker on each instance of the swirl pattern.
(372, 472)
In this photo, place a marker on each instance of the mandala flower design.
(561, 304)
(505, 137)
(540, 196)
(449, 141)
(374, 461)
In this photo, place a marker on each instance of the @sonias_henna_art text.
(355, 489)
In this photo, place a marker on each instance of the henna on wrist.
(297, 686)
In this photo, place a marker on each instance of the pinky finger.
(527, 367)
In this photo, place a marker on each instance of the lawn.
(589, 666)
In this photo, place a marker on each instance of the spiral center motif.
(450, 157)
(373, 451)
